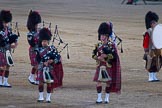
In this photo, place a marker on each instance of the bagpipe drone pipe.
(14, 32)
(57, 41)
(118, 41)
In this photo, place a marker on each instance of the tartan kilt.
(97, 74)
(40, 76)
(115, 74)
(58, 74)
(32, 55)
(3, 61)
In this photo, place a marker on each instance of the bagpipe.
(49, 52)
(56, 37)
(14, 34)
(118, 41)
(47, 24)
(45, 55)
(14, 28)
(57, 40)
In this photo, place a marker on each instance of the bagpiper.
(47, 56)
(108, 64)
(34, 19)
(8, 41)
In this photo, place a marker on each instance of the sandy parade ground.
(78, 21)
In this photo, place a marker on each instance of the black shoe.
(151, 81)
(106, 102)
(40, 101)
(156, 80)
(6, 85)
(48, 101)
(34, 83)
(98, 102)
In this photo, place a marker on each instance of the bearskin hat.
(44, 34)
(104, 29)
(5, 16)
(33, 19)
(149, 17)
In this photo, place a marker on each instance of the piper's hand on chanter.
(50, 61)
(46, 63)
(102, 57)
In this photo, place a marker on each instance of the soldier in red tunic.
(153, 64)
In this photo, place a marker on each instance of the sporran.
(9, 58)
(103, 74)
(47, 76)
